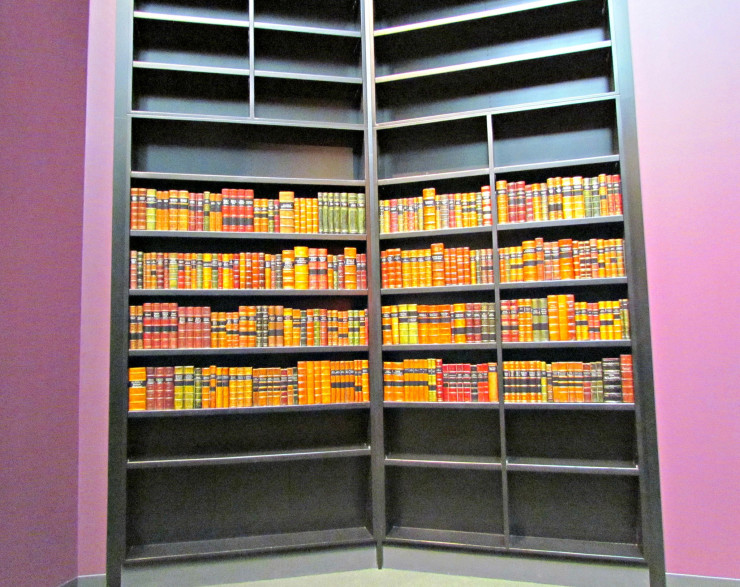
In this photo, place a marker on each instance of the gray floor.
(403, 567)
(383, 578)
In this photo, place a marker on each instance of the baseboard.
(86, 581)
(236, 570)
(677, 580)
(91, 581)
(515, 568)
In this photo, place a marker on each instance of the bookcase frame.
(213, 118)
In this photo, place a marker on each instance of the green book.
(322, 215)
(343, 213)
(360, 213)
(198, 388)
(352, 213)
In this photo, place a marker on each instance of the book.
(568, 381)
(192, 387)
(558, 198)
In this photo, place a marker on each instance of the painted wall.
(684, 89)
(687, 84)
(95, 295)
(43, 56)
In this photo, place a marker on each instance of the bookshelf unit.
(382, 98)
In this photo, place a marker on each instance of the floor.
(384, 578)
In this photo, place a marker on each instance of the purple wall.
(42, 124)
(96, 269)
(687, 86)
(686, 89)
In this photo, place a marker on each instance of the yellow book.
(403, 323)
(286, 212)
(301, 267)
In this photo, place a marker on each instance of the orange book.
(325, 381)
(350, 269)
(437, 264)
(565, 258)
(563, 317)
(529, 261)
(162, 214)
(287, 213)
(137, 388)
(311, 383)
(553, 315)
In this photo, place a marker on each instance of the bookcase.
(385, 99)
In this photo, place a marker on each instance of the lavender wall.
(42, 125)
(95, 297)
(687, 131)
(687, 86)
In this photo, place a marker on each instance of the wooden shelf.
(446, 538)
(337, 79)
(576, 548)
(596, 220)
(288, 350)
(544, 165)
(493, 62)
(436, 289)
(257, 457)
(277, 94)
(595, 406)
(568, 283)
(246, 292)
(251, 411)
(191, 68)
(567, 344)
(510, 8)
(246, 179)
(309, 30)
(443, 461)
(442, 405)
(435, 233)
(459, 346)
(144, 15)
(434, 176)
(581, 466)
(269, 236)
(248, 545)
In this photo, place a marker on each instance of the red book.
(159, 388)
(205, 332)
(241, 210)
(169, 388)
(150, 388)
(628, 382)
(156, 325)
(249, 211)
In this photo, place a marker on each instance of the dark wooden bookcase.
(384, 98)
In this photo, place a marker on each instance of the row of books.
(608, 380)
(189, 387)
(430, 380)
(537, 260)
(297, 268)
(436, 266)
(237, 210)
(168, 326)
(439, 324)
(561, 318)
(432, 211)
(560, 198)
